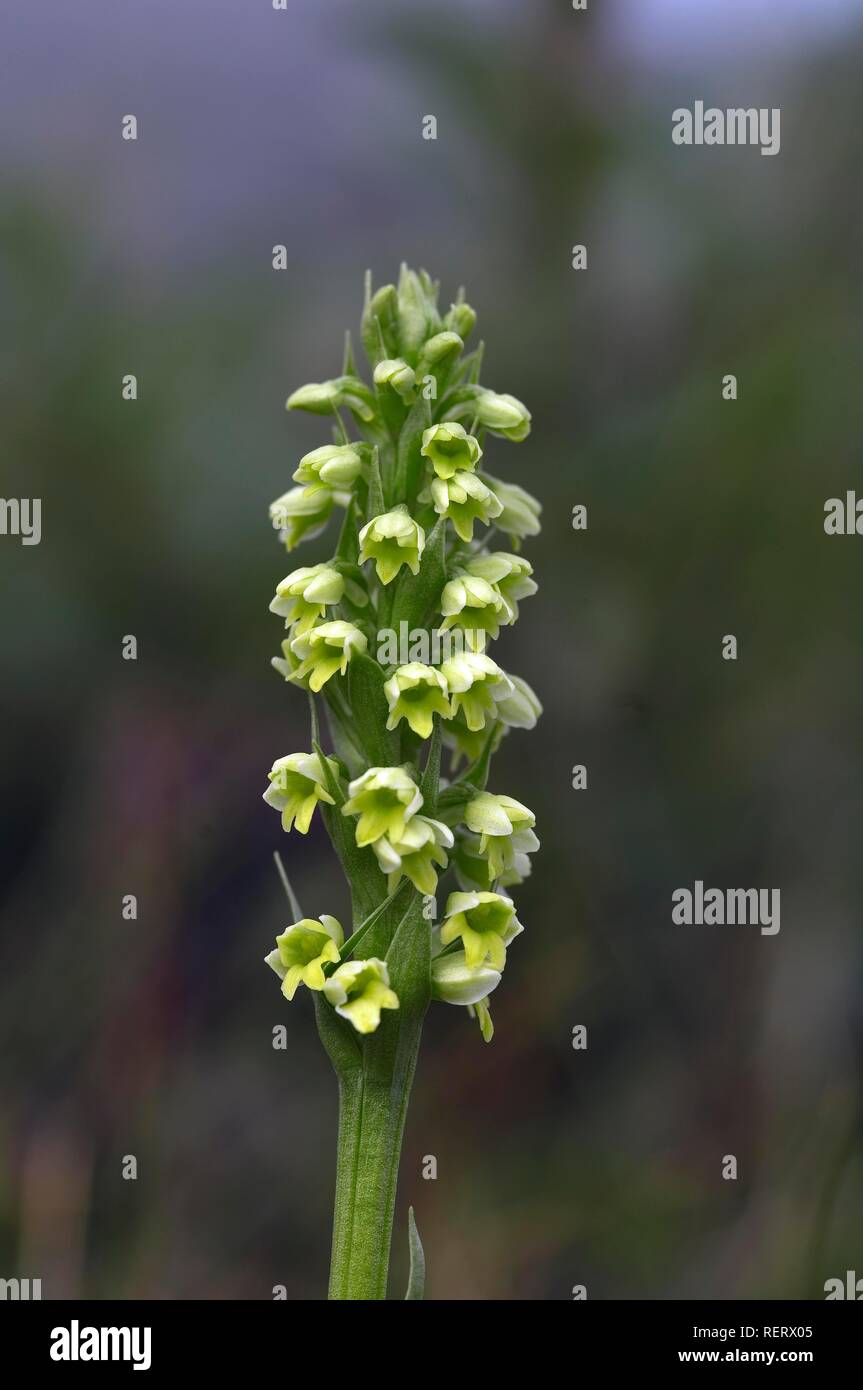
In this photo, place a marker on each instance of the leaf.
(418, 593)
(348, 548)
(353, 941)
(376, 491)
(431, 771)
(349, 366)
(370, 710)
(286, 884)
(408, 460)
(417, 1277)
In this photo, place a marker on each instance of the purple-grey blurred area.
(153, 1038)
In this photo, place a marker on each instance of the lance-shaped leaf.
(370, 712)
(418, 594)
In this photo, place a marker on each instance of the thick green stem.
(375, 1074)
(372, 1111)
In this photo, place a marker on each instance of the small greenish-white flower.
(473, 871)
(505, 828)
(464, 499)
(392, 539)
(454, 982)
(476, 606)
(485, 923)
(302, 596)
(520, 709)
(302, 952)
(475, 683)
(302, 513)
(503, 415)
(510, 575)
(337, 465)
(358, 990)
(395, 373)
(423, 845)
(417, 693)
(326, 649)
(385, 799)
(519, 514)
(325, 397)
(450, 449)
(297, 784)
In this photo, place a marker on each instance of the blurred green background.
(154, 1038)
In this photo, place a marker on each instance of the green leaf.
(349, 366)
(289, 892)
(417, 1277)
(348, 548)
(354, 941)
(376, 491)
(409, 459)
(368, 884)
(419, 593)
(431, 772)
(370, 710)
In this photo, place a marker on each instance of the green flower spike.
(505, 828)
(395, 373)
(392, 539)
(417, 693)
(475, 683)
(385, 799)
(358, 990)
(302, 952)
(296, 787)
(325, 650)
(485, 923)
(476, 606)
(302, 513)
(423, 844)
(303, 596)
(520, 513)
(464, 499)
(325, 397)
(337, 465)
(503, 415)
(510, 575)
(520, 709)
(450, 449)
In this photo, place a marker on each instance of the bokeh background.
(154, 1038)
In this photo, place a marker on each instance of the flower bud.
(503, 415)
(392, 539)
(521, 708)
(439, 353)
(461, 319)
(454, 982)
(417, 311)
(450, 449)
(380, 324)
(519, 515)
(358, 990)
(325, 397)
(395, 373)
(339, 465)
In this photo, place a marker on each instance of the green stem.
(372, 1113)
